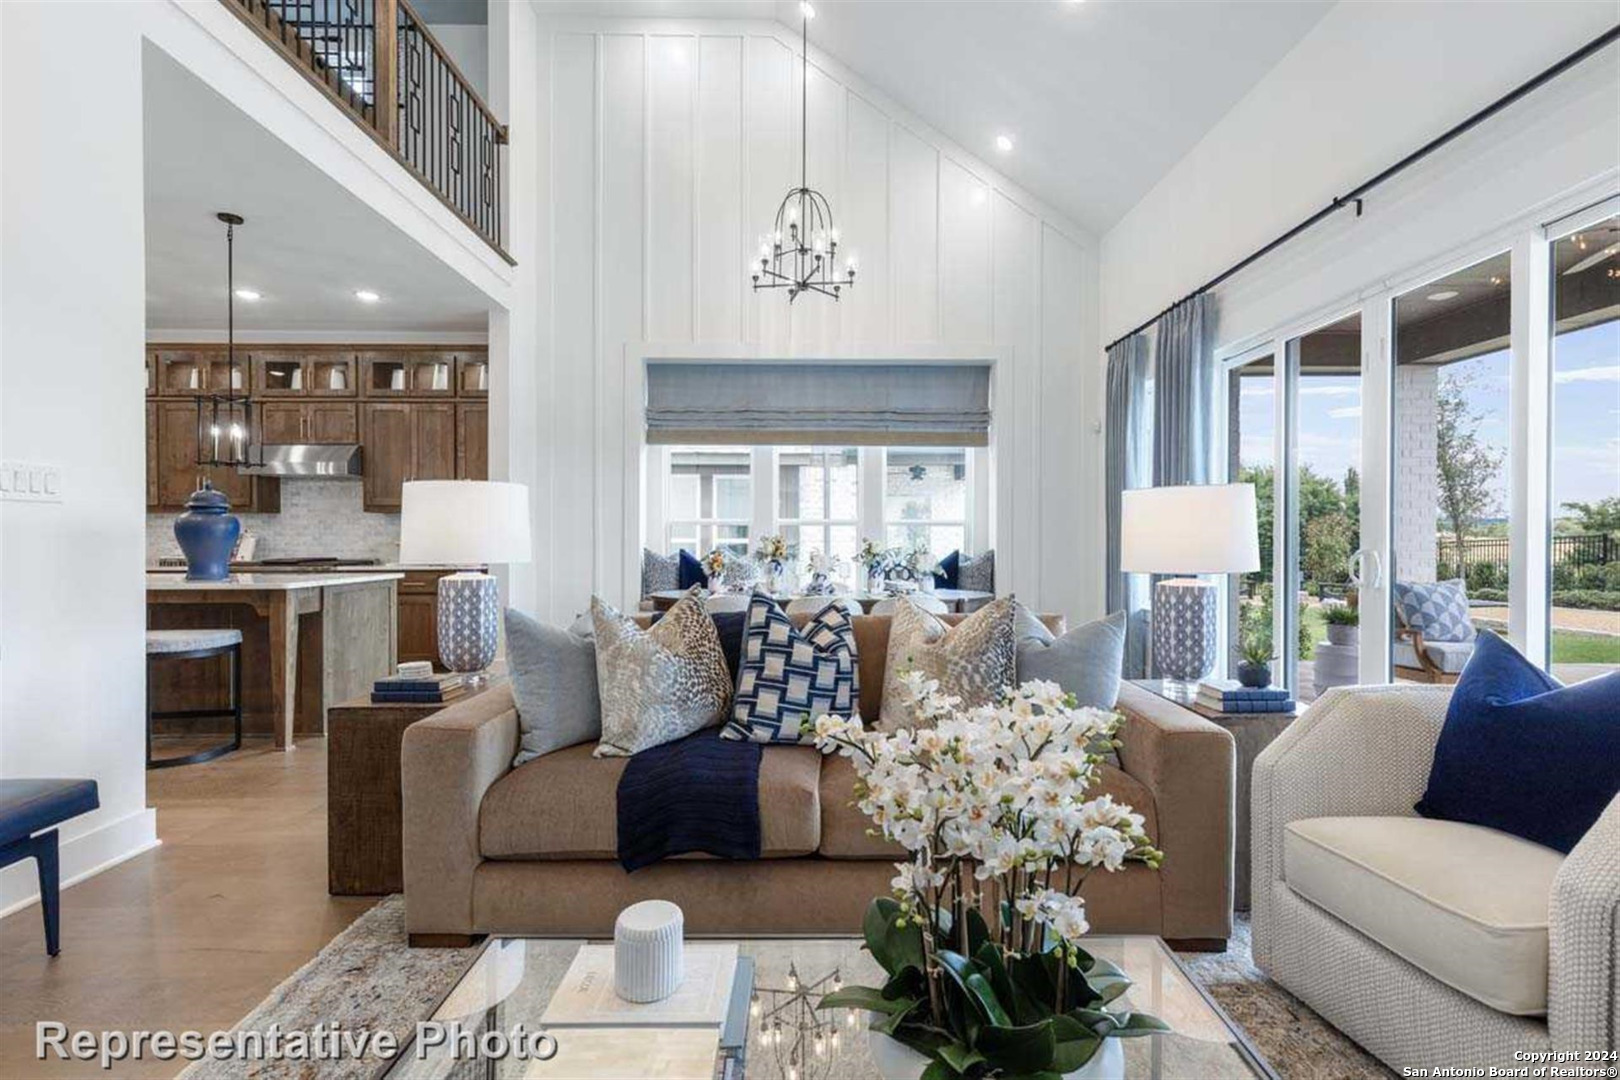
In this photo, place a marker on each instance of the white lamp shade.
(1191, 529)
(464, 522)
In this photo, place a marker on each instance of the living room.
(864, 389)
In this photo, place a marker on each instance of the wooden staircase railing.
(379, 62)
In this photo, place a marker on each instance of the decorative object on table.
(466, 523)
(974, 660)
(207, 532)
(812, 1035)
(415, 669)
(1255, 647)
(800, 252)
(553, 673)
(1157, 536)
(873, 559)
(1337, 661)
(1231, 696)
(1013, 991)
(587, 996)
(435, 689)
(661, 683)
(823, 568)
(1522, 753)
(771, 555)
(714, 566)
(977, 573)
(648, 951)
(791, 676)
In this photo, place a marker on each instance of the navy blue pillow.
(692, 571)
(1524, 754)
(952, 565)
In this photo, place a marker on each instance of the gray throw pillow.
(662, 683)
(1085, 661)
(977, 573)
(553, 675)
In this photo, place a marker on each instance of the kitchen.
(343, 427)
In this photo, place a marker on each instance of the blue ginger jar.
(207, 533)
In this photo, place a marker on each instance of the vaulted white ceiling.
(1100, 98)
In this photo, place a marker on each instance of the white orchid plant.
(982, 940)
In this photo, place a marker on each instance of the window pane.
(817, 483)
(683, 496)
(925, 484)
(1585, 550)
(844, 543)
(721, 476)
(733, 497)
(1450, 482)
(1251, 443)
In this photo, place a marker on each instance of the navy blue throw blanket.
(700, 793)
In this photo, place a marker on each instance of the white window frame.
(823, 524)
(973, 477)
(661, 522)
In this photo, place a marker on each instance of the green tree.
(1352, 505)
(1467, 466)
(1327, 547)
(1602, 516)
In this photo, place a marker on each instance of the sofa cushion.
(843, 826)
(1449, 656)
(1436, 609)
(565, 806)
(662, 683)
(974, 660)
(553, 684)
(1464, 903)
(789, 676)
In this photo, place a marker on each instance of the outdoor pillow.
(974, 660)
(1436, 609)
(553, 674)
(790, 675)
(691, 571)
(661, 683)
(950, 568)
(1521, 753)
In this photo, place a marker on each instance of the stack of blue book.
(1230, 696)
(417, 690)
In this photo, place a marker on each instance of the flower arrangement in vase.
(876, 561)
(714, 566)
(982, 941)
(823, 568)
(771, 553)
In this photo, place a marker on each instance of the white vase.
(897, 1061)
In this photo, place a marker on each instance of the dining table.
(956, 600)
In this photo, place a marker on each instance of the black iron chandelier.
(800, 253)
(225, 413)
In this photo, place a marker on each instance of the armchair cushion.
(1523, 754)
(1449, 656)
(1466, 904)
(1436, 609)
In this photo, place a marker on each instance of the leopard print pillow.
(975, 659)
(662, 683)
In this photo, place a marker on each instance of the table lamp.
(1191, 529)
(466, 523)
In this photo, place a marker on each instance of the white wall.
(468, 46)
(72, 312)
(668, 148)
(1367, 85)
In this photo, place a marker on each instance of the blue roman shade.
(826, 404)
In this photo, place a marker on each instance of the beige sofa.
(493, 849)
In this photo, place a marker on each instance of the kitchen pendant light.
(225, 414)
(800, 252)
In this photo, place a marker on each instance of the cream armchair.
(1427, 942)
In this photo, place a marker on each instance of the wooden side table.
(1252, 732)
(363, 803)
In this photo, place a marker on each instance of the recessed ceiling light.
(1443, 294)
(366, 296)
(1004, 143)
(806, 10)
(246, 294)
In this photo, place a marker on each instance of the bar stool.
(195, 645)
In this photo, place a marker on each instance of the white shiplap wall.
(667, 149)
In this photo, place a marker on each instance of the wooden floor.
(195, 933)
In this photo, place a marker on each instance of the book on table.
(1232, 690)
(429, 690)
(1234, 708)
(703, 999)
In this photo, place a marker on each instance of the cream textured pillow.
(659, 684)
(975, 659)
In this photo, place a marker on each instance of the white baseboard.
(82, 857)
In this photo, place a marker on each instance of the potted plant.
(714, 566)
(875, 560)
(1255, 646)
(1342, 621)
(990, 802)
(771, 553)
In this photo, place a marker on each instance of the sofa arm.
(447, 763)
(1583, 1005)
(1188, 764)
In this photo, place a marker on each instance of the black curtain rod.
(1354, 196)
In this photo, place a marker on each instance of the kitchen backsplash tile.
(318, 517)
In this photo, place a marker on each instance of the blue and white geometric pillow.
(790, 675)
(1436, 609)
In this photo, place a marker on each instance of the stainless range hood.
(337, 462)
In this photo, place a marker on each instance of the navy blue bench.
(26, 808)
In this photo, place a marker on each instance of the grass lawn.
(1570, 648)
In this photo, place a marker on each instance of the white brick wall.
(318, 517)
(1416, 485)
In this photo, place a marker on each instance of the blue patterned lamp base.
(1184, 628)
(469, 621)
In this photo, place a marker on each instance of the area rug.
(368, 979)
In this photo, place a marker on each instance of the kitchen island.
(309, 642)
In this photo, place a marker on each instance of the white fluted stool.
(648, 951)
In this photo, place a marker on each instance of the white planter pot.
(1342, 635)
(897, 1061)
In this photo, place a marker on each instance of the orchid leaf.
(1132, 1025)
(1026, 1049)
(958, 1057)
(865, 997)
(1071, 1054)
(980, 994)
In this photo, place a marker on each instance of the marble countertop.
(170, 582)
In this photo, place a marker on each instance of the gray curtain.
(1127, 463)
(1184, 396)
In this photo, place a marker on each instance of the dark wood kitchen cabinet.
(472, 441)
(406, 441)
(317, 422)
(173, 473)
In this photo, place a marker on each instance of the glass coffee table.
(512, 980)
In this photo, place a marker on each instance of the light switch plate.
(24, 482)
